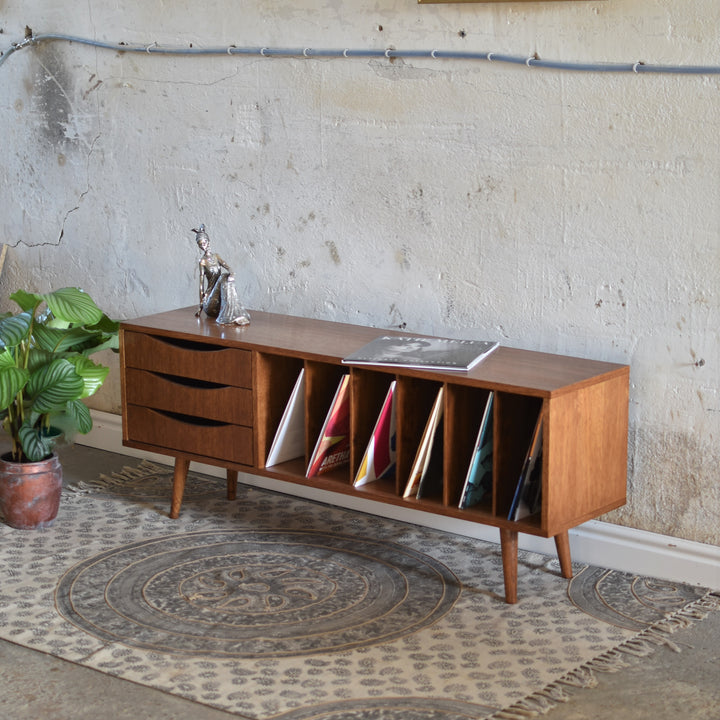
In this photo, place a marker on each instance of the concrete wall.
(567, 212)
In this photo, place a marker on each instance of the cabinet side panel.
(123, 385)
(586, 448)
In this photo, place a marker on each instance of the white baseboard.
(596, 543)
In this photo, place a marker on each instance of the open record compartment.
(515, 419)
(369, 391)
(321, 385)
(275, 377)
(465, 407)
(415, 400)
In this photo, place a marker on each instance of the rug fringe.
(642, 645)
(144, 469)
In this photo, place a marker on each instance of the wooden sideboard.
(199, 391)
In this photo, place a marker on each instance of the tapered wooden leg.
(562, 544)
(231, 484)
(509, 549)
(181, 471)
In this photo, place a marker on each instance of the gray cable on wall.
(531, 62)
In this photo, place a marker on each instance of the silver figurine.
(218, 295)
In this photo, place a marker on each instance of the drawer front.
(209, 439)
(189, 397)
(202, 361)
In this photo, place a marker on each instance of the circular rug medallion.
(256, 593)
(628, 601)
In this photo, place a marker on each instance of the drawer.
(208, 438)
(198, 398)
(185, 358)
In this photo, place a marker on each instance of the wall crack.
(68, 213)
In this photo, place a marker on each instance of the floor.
(666, 686)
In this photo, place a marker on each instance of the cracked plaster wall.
(555, 211)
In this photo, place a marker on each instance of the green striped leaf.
(73, 305)
(12, 381)
(92, 374)
(35, 445)
(50, 387)
(80, 414)
(7, 359)
(14, 329)
(107, 325)
(26, 300)
(37, 358)
(57, 340)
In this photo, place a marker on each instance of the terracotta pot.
(30, 492)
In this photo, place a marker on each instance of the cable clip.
(29, 37)
(151, 45)
(263, 51)
(345, 52)
(20, 45)
(305, 52)
(636, 65)
(489, 57)
(433, 55)
(229, 50)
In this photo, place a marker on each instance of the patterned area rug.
(277, 607)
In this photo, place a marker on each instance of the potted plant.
(45, 372)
